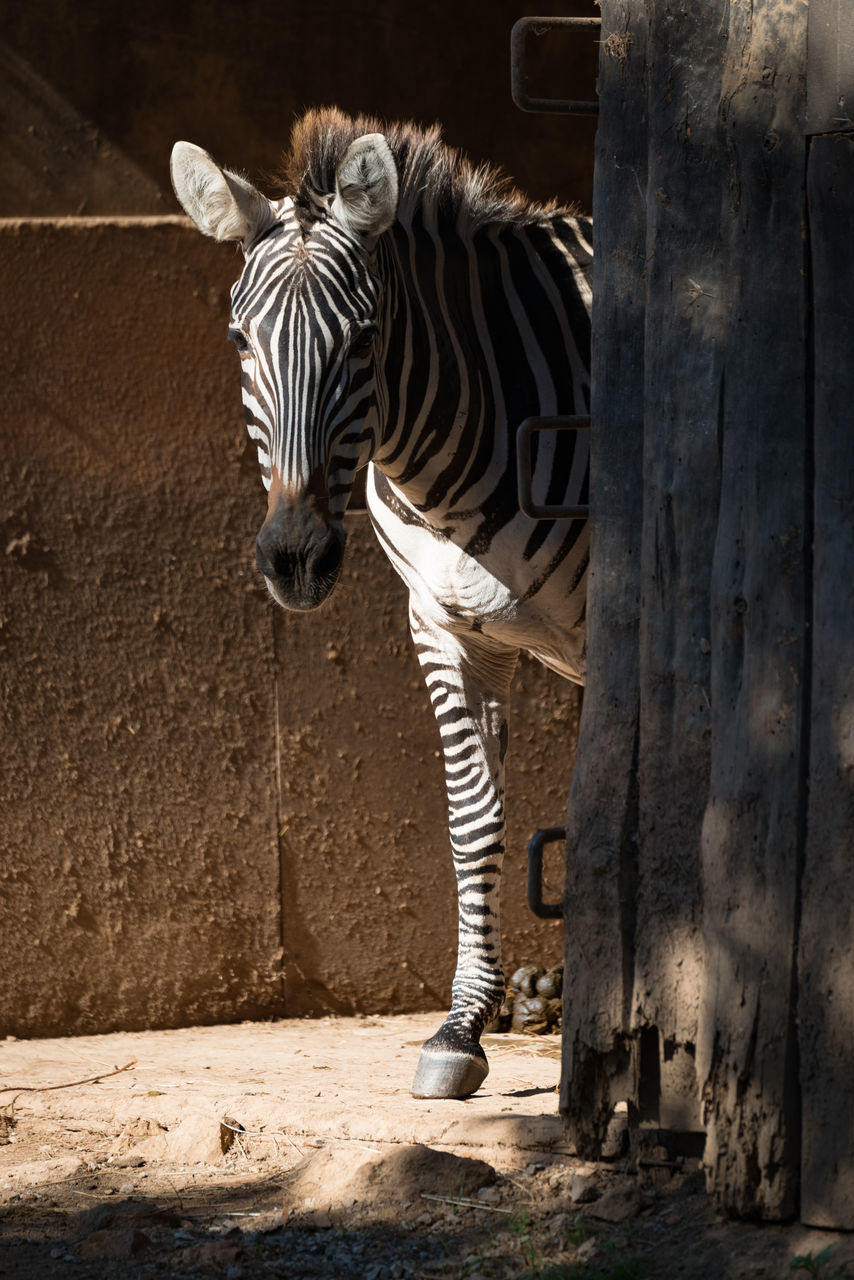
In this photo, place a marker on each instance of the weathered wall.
(162, 723)
(139, 881)
(188, 833)
(232, 80)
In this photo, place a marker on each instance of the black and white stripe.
(399, 308)
(303, 321)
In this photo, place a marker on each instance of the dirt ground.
(294, 1149)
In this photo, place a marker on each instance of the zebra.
(403, 310)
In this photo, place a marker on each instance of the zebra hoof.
(446, 1073)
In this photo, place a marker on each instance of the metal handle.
(524, 479)
(538, 841)
(518, 69)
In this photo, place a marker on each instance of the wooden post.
(753, 825)
(826, 962)
(698, 894)
(687, 307)
(600, 1061)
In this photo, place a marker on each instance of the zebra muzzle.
(300, 572)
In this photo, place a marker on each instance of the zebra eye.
(238, 338)
(362, 343)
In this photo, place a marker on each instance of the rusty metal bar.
(524, 480)
(538, 841)
(518, 68)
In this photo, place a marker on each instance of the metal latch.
(538, 841)
(518, 69)
(524, 470)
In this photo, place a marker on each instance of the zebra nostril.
(267, 560)
(328, 560)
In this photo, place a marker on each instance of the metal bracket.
(524, 471)
(545, 910)
(518, 69)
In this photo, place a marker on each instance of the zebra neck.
(444, 414)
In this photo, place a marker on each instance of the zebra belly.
(461, 593)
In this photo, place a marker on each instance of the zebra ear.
(366, 189)
(222, 204)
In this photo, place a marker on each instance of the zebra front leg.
(468, 679)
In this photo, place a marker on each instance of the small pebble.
(490, 1195)
(583, 1188)
(559, 1225)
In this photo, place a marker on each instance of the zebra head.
(305, 320)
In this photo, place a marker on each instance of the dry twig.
(474, 1204)
(69, 1084)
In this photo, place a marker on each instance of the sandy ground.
(294, 1149)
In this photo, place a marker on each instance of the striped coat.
(401, 310)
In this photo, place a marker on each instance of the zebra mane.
(429, 172)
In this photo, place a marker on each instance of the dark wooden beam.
(600, 1060)
(826, 962)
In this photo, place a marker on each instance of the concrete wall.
(210, 809)
(139, 877)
